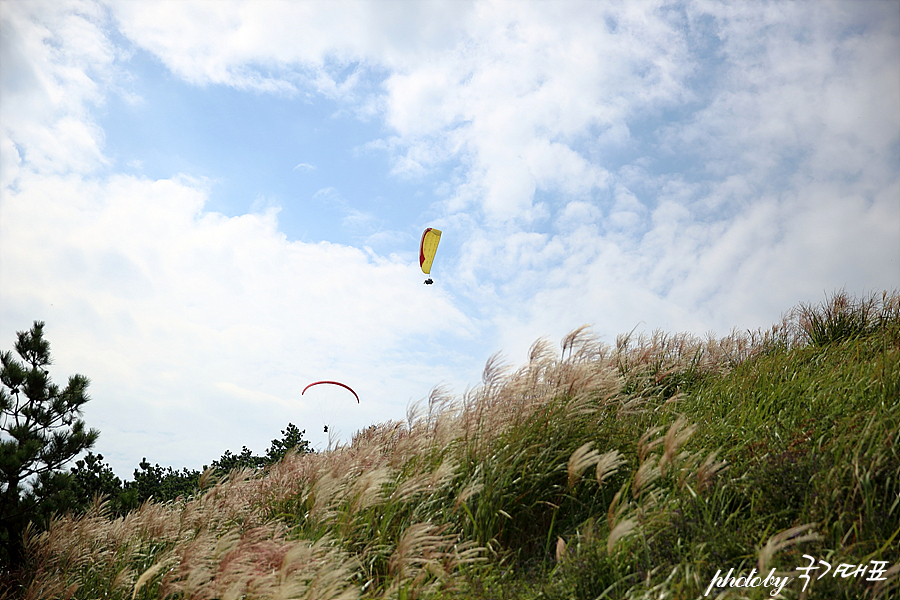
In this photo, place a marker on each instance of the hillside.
(638, 470)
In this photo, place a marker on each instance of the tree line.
(41, 433)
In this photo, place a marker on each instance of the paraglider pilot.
(429, 281)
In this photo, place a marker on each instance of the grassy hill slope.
(630, 471)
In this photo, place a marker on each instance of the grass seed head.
(608, 464)
(784, 539)
(580, 460)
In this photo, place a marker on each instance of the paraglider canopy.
(343, 385)
(427, 249)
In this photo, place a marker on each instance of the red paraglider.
(343, 385)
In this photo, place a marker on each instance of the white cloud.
(55, 57)
(279, 46)
(787, 175)
(147, 288)
(197, 330)
(519, 95)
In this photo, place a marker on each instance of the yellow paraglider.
(427, 248)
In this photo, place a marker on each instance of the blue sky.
(212, 204)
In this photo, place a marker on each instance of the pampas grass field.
(634, 470)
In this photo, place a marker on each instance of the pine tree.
(39, 433)
(292, 439)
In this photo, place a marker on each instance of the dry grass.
(407, 507)
(225, 543)
(218, 545)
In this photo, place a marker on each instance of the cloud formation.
(690, 166)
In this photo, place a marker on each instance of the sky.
(212, 204)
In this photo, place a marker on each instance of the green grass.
(634, 471)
